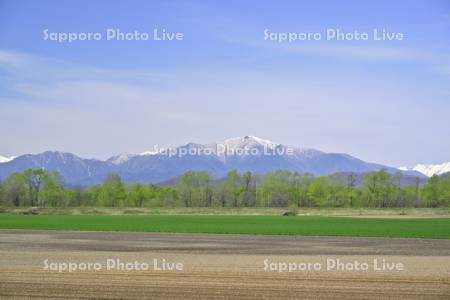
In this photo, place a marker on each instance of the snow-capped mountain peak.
(247, 141)
(239, 145)
(429, 170)
(4, 159)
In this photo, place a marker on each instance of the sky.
(384, 101)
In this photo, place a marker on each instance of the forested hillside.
(380, 189)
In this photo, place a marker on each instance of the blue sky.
(382, 101)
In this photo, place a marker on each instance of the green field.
(435, 228)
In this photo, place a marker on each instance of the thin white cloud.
(360, 52)
(352, 51)
(8, 58)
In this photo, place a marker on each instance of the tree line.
(35, 187)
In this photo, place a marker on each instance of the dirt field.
(400, 213)
(219, 266)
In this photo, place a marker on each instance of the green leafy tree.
(34, 181)
(320, 191)
(248, 190)
(432, 191)
(137, 195)
(52, 192)
(14, 190)
(112, 192)
(233, 183)
(378, 187)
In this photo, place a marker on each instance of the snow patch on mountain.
(429, 170)
(148, 153)
(121, 158)
(124, 157)
(4, 159)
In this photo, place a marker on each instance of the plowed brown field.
(218, 266)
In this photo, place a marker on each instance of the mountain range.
(248, 153)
